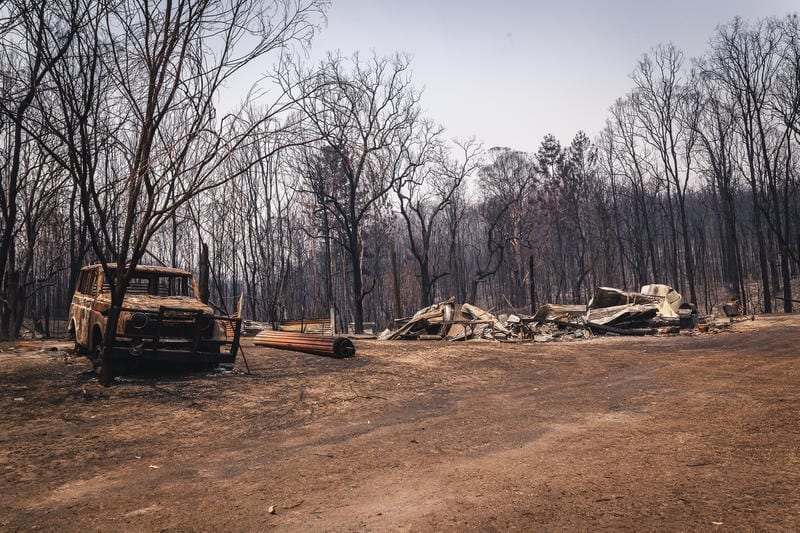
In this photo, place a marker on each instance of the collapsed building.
(449, 321)
(654, 309)
(616, 311)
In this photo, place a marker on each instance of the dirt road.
(679, 433)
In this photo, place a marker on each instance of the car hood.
(143, 302)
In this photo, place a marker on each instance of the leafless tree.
(505, 183)
(166, 64)
(34, 38)
(716, 134)
(744, 62)
(366, 115)
(665, 108)
(425, 196)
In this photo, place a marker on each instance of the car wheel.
(77, 348)
(106, 367)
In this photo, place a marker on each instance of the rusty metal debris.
(338, 347)
(613, 309)
(656, 309)
(450, 321)
(320, 326)
(619, 312)
(250, 328)
(559, 312)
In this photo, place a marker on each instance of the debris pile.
(319, 326)
(251, 328)
(616, 311)
(655, 309)
(451, 321)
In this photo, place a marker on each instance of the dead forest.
(325, 185)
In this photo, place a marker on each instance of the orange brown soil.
(679, 433)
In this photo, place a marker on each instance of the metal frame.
(157, 348)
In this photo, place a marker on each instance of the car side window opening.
(106, 287)
(87, 283)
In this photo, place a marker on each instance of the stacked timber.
(338, 347)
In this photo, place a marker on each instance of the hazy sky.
(511, 71)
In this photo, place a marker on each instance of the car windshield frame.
(157, 284)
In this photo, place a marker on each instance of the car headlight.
(205, 322)
(139, 320)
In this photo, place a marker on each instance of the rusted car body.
(162, 319)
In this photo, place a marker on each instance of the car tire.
(106, 374)
(77, 348)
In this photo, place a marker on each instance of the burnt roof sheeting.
(610, 297)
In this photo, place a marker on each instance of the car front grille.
(171, 328)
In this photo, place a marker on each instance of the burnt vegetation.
(328, 190)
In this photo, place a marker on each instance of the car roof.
(154, 269)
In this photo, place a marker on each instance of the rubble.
(251, 328)
(616, 311)
(318, 326)
(559, 312)
(655, 309)
(616, 308)
(450, 321)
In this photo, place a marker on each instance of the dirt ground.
(680, 433)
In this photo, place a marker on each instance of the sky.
(511, 71)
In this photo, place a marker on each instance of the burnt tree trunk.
(203, 279)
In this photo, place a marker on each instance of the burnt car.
(162, 319)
